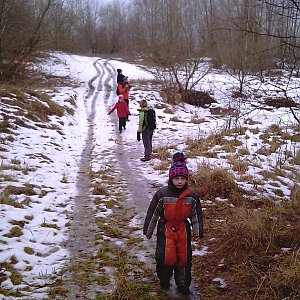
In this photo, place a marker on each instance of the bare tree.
(87, 16)
(20, 31)
(58, 31)
(3, 24)
(282, 30)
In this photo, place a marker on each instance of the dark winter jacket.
(163, 205)
(120, 78)
(175, 211)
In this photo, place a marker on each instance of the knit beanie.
(178, 166)
(121, 97)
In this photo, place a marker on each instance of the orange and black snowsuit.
(175, 211)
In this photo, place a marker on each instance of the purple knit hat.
(178, 166)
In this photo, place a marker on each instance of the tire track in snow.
(82, 241)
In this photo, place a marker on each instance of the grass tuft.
(214, 182)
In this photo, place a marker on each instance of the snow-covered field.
(42, 158)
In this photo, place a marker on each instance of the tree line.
(246, 35)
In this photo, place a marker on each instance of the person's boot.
(146, 158)
(183, 289)
(165, 285)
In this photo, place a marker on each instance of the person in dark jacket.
(122, 112)
(174, 209)
(120, 76)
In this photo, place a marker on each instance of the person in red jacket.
(122, 112)
(123, 88)
(175, 208)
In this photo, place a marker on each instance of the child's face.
(179, 181)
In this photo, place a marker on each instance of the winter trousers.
(122, 123)
(147, 135)
(182, 273)
(127, 102)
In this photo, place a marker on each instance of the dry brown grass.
(197, 147)
(252, 241)
(15, 231)
(176, 119)
(238, 130)
(168, 110)
(170, 95)
(162, 152)
(196, 120)
(251, 122)
(256, 250)
(37, 105)
(27, 189)
(214, 182)
(201, 146)
(15, 276)
(238, 165)
(7, 199)
(296, 158)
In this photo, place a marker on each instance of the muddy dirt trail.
(82, 243)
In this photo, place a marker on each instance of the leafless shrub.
(281, 102)
(170, 94)
(197, 98)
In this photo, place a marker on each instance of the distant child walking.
(120, 76)
(123, 89)
(122, 112)
(175, 208)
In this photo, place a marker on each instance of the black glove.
(138, 136)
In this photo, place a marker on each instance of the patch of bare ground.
(112, 268)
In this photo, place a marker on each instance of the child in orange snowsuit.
(175, 208)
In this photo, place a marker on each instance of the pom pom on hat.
(121, 97)
(178, 166)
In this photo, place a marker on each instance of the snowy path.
(82, 242)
